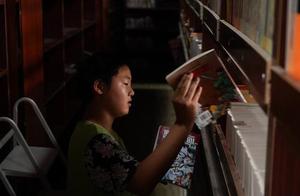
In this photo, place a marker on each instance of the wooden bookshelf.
(249, 63)
(56, 36)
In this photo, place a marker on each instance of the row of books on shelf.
(246, 135)
(140, 3)
(139, 23)
(255, 19)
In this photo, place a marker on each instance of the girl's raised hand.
(185, 100)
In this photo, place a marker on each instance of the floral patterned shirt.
(109, 165)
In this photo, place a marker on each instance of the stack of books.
(246, 134)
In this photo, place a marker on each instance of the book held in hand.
(197, 65)
(180, 172)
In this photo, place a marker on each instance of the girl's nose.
(131, 93)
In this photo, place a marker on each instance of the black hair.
(100, 67)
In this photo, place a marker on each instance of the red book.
(197, 65)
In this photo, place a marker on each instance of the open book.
(207, 66)
(180, 172)
(198, 65)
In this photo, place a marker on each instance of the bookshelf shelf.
(214, 168)
(88, 23)
(233, 74)
(69, 32)
(183, 41)
(73, 49)
(234, 183)
(151, 10)
(211, 21)
(196, 6)
(244, 51)
(50, 43)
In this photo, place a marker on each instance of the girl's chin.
(124, 113)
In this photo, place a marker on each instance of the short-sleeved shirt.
(108, 164)
(98, 162)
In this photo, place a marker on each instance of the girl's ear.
(98, 87)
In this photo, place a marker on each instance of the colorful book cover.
(180, 172)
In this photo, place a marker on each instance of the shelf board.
(3, 72)
(153, 32)
(70, 72)
(229, 169)
(159, 9)
(183, 41)
(211, 21)
(55, 93)
(285, 93)
(151, 11)
(88, 23)
(218, 183)
(196, 6)
(70, 32)
(244, 52)
(50, 43)
(230, 75)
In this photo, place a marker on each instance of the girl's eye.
(126, 83)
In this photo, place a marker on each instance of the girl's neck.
(99, 117)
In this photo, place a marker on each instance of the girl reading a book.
(98, 161)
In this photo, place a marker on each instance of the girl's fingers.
(192, 89)
(184, 85)
(197, 94)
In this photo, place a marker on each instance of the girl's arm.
(151, 169)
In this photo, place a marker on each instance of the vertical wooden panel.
(32, 48)
(285, 167)
(11, 47)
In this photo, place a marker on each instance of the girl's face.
(119, 96)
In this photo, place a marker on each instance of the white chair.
(24, 160)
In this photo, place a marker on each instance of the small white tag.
(203, 119)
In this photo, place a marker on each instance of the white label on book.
(203, 119)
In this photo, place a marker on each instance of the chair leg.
(7, 185)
